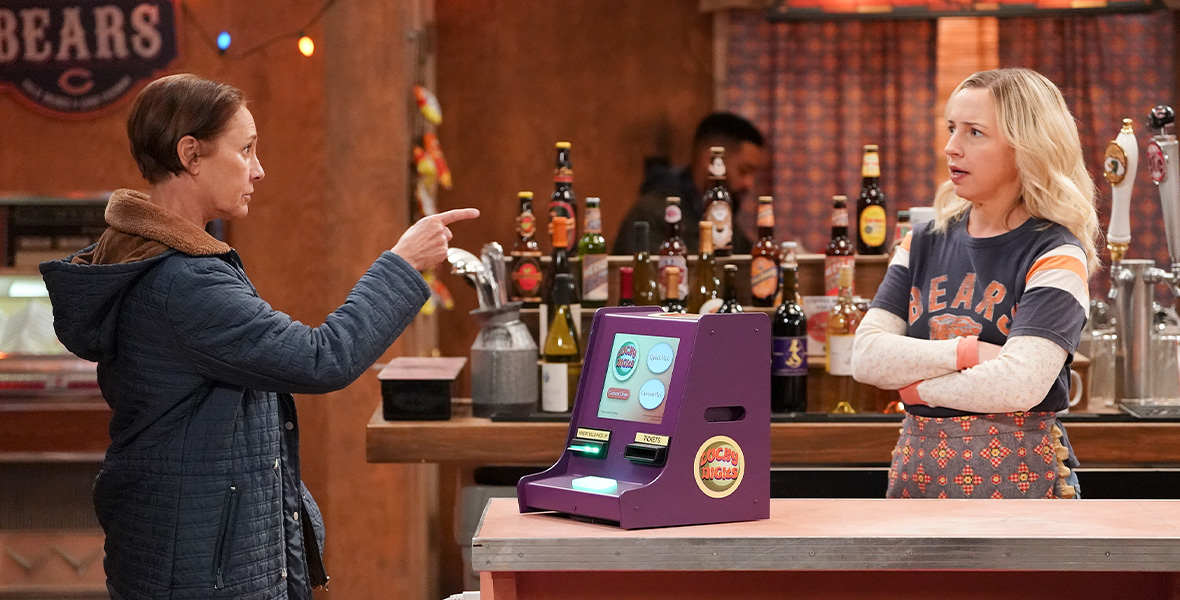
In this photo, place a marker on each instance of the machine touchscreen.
(637, 378)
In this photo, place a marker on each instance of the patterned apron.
(1012, 455)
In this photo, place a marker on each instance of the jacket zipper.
(221, 553)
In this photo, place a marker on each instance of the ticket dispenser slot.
(670, 424)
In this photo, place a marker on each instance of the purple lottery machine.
(671, 424)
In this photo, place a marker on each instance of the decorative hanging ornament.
(424, 164)
(440, 163)
(428, 104)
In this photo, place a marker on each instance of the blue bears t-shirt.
(1029, 281)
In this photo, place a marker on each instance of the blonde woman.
(981, 309)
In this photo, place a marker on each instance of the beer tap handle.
(1122, 159)
(1160, 117)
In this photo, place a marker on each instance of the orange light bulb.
(306, 46)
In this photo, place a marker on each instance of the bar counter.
(843, 549)
(812, 440)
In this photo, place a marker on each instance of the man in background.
(745, 158)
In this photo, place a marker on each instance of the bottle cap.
(731, 268)
(673, 199)
(765, 199)
(524, 194)
(592, 200)
(870, 147)
(903, 214)
(563, 145)
(717, 149)
(839, 199)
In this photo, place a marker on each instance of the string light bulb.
(306, 46)
(223, 41)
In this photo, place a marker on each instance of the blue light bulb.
(223, 41)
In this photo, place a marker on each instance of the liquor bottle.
(719, 205)
(592, 251)
(786, 255)
(625, 286)
(704, 295)
(563, 203)
(559, 264)
(839, 251)
(731, 304)
(645, 284)
(673, 252)
(561, 360)
(764, 258)
(526, 255)
(870, 206)
(843, 320)
(788, 330)
(672, 303)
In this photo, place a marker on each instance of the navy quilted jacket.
(199, 493)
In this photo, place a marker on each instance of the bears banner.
(74, 58)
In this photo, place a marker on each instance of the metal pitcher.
(503, 364)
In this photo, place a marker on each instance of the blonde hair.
(1054, 183)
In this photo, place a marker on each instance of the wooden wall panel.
(618, 80)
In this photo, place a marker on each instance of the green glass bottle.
(731, 304)
(645, 286)
(592, 252)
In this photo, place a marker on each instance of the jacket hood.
(87, 288)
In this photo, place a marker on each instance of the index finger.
(458, 214)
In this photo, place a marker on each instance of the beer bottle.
(719, 205)
(843, 320)
(839, 251)
(526, 255)
(788, 330)
(786, 255)
(731, 304)
(672, 303)
(764, 259)
(902, 227)
(645, 284)
(592, 252)
(625, 286)
(563, 203)
(704, 295)
(673, 252)
(561, 362)
(870, 206)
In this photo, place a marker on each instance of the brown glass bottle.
(563, 203)
(526, 255)
(764, 257)
(645, 285)
(729, 282)
(870, 206)
(719, 205)
(839, 251)
(673, 252)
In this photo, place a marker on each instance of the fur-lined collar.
(133, 213)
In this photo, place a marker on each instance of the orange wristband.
(909, 395)
(967, 352)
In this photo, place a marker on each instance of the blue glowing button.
(591, 483)
(589, 448)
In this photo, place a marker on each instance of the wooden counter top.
(469, 440)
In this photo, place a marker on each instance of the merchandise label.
(763, 277)
(680, 263)
(721, 214)
(563, 175)
(872, 226)
(594, 277)
(555, 387)
(526, 275)
(526, 224)
(832, 266)
(593, 220)
(672, 214)
(840, 354)
(871, 167)
(840, 217)
(788, 356)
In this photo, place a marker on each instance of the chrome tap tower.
(1133, 281)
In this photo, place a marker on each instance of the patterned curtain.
(821, 91)
(1109, 68)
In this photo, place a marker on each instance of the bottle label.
(872, 226)
(711, 306)
(526, 278)
(721, 214)
(763, 277)
(680, 263)
(563, 175)
(840, 355)
(555, 383)
(871, 167)
(839, 217)
(526, 224)
(788, 356)
(594, 277)
(832, 266)
(717, 167)
(899, 231)
(672, 213)
(593, 220)
(766, 215)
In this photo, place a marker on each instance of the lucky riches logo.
(625, 360)
(720, 465)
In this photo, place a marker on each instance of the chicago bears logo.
(946, 327)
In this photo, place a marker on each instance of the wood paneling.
(618, 80)
(965, 45)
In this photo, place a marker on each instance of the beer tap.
(1122, 160)
(1163, 158)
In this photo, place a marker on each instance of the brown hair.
(170, 108)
